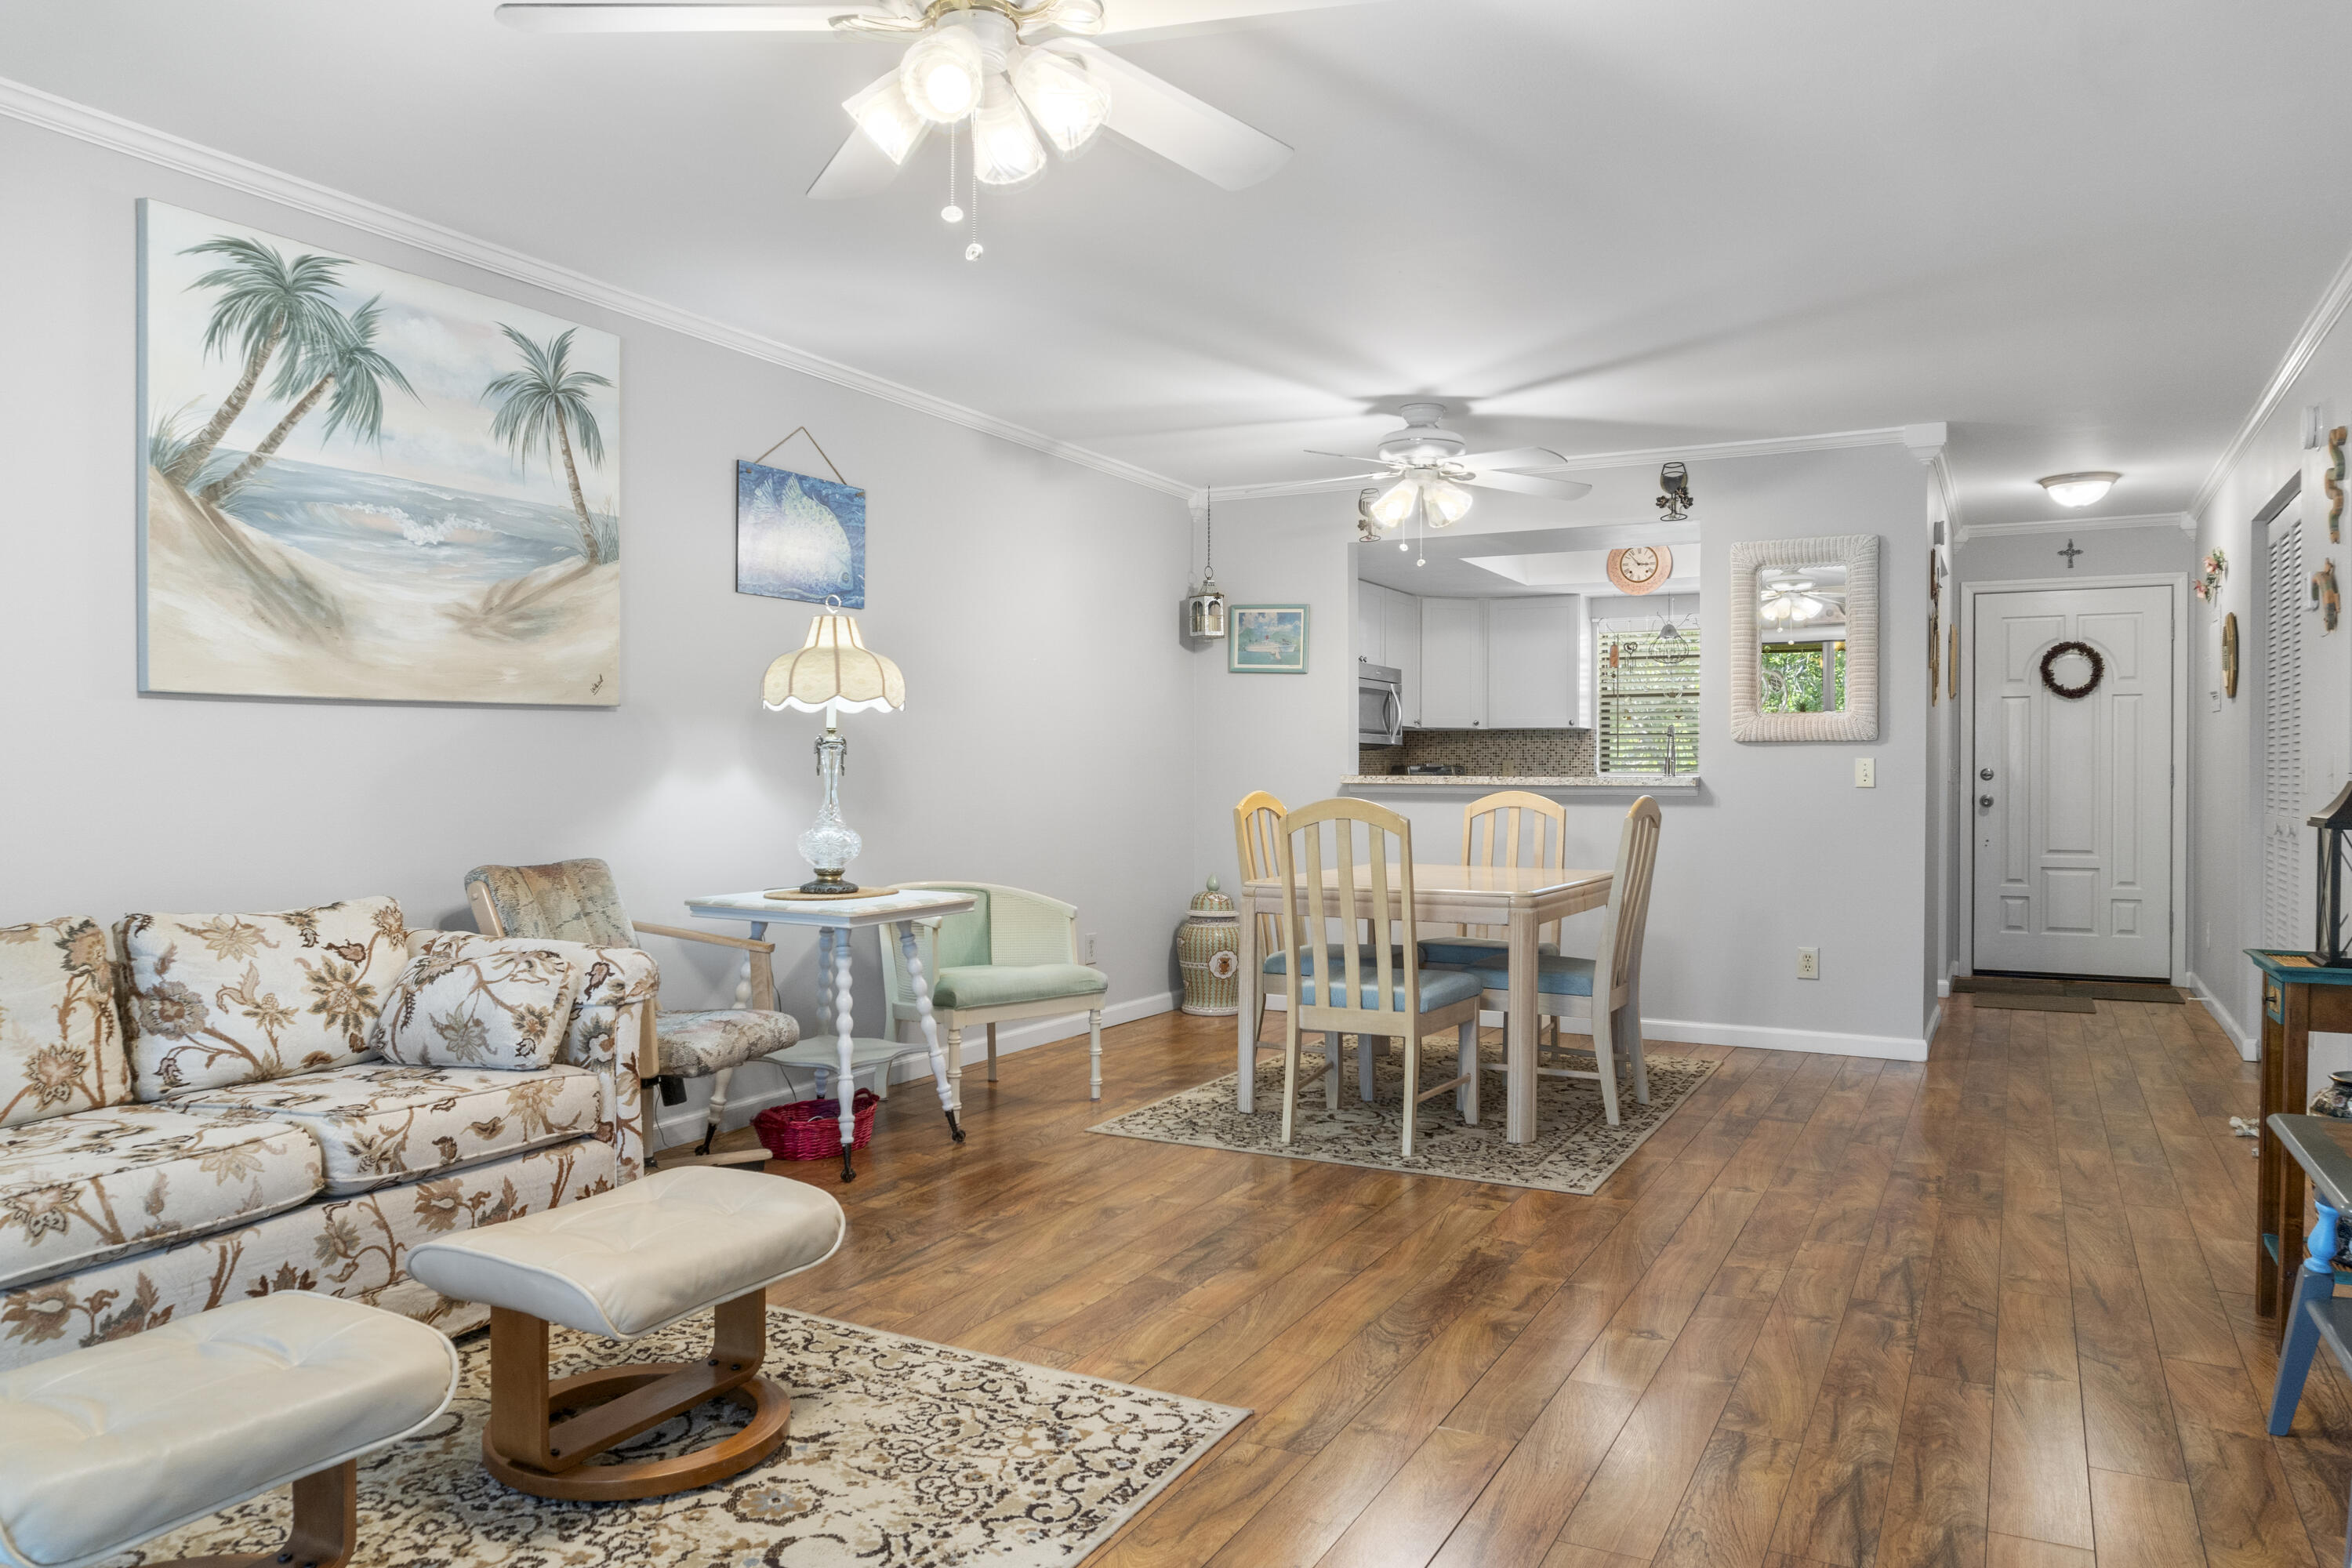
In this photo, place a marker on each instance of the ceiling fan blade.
(1343, 457)
(604, 16)
(1528, 485)
(1126, 17)
(1170, 122)
(860, 169)
(1516, 457)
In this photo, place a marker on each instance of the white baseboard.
(2250, 1046)
(1935, 1022)
(758, 1085)
(1892, 1047)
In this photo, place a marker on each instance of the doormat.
(2009, 1001)
(2094, 990)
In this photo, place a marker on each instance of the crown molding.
(2183, 520)
(1697, 451)
(97, 127)
(2316, 327)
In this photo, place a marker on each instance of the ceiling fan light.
(1004, 150)
(1083, 16)
(1396, 503)
(942, 74)
(1061, 94)
(1449, 500)
(888, 120)
(2079, 490)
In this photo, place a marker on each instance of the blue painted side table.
(2298, 996)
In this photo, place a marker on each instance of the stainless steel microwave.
(1380, 705)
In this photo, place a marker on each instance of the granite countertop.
(1524, 780)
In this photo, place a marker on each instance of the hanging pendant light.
(1204, 611)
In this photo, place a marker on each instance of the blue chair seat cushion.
(1439, 989)
(1470, 952)
(1367, 955)
(1555, 976)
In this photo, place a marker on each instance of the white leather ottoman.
(623, 1264)
(104, 1447)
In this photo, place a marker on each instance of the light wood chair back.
(1342, 841)
(1619, 960)
(1514, 829)
(1257, 831)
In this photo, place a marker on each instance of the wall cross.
(2070, 552)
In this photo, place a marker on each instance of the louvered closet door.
(2287, 910)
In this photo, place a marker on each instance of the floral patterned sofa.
(189, 1113)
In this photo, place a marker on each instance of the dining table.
(1520, 899)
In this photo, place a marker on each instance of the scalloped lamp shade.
(834, 669)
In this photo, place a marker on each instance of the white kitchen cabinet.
(1531, 664)
(1369, 623)
(1400, 645)
(1454, 664)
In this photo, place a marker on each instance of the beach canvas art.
(799, 537)
(1267, 639)
(363, 484)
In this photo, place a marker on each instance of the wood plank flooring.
(1993, 1311)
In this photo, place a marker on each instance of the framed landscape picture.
(361, 484)
(799, 537)
(1267, 639)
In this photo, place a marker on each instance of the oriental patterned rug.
(902, 1453)
(1574, 1149)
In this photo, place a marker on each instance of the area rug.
(902, 1453)
(1574, 1149)
(2013, 1002)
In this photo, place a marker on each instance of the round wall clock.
(1641, 568)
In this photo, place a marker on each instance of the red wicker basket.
(810, 1129)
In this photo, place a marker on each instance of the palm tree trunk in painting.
(221, 489)
(579, 503)
(192, 461)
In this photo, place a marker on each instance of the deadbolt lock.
(1985, 773)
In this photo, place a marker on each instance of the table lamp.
(833, 673)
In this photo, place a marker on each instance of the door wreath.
(2072, 693)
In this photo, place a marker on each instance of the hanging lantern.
(2335, 825)
(1204, 611)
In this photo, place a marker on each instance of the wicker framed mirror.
(1804, 639)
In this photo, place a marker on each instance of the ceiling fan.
(1426, 478)
(1006, 68)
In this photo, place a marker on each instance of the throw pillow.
(59, 1050)
(225, 999)
(502, 1002)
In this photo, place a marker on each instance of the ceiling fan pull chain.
(951, 213)
(972, 252)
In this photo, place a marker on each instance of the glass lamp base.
(829, 882)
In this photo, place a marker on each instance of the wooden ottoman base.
(326, 1524)
(530, 1450)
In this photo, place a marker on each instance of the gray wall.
(1779, 851)
(1029, 601)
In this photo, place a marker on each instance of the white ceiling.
(2084, 235)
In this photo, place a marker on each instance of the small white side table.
(833, 920)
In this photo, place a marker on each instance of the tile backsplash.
(1550, 754)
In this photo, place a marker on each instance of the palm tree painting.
(368, 485)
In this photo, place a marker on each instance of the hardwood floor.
(1993, 1310)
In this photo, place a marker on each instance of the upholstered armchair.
(1015, 957)
(575, 900)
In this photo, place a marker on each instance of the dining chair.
(1509, 828)
(1257, 832)
(1571, 987)
(1341, 985)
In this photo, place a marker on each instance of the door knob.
(1985, 801)
(1985, 773)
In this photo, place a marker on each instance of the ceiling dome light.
(2079, 490)
(942, 74)
(888, 120)
(1068, 106)
(1004, 150)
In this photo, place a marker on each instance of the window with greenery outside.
(1791, 675)
(1645, 688)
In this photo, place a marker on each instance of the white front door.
(2073, 798)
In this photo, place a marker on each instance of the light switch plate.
(1865, 772)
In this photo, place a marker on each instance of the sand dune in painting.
(232, 609)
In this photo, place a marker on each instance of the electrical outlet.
(1809, 963)
(1091, 947)
(1865, 772)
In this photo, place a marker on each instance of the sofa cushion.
(227, 999)
(378, 1124)
(76, 1190)
(696, 1045)
(501, 1002)
(59, 1049)
(1003, 984)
